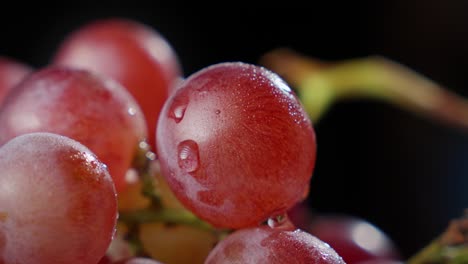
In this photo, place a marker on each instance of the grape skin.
(135, 55)
(11, 73)
(265, 245)
(105, 260)
(236, 145)
(57, 200)
(95, 111)
(137, 260)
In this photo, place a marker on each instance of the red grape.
(105, 260)
(57, 202)
(137, 260)
(272, 246)
(132, 53)
(97, 112)
(236, 145)
(353, 238)
(11, 72)
(381, 261)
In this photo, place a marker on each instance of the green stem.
(143, 163)
(172, 216)
(450, 247)
(156, 212)
(133, 239)
(146, 167)
(321, 84)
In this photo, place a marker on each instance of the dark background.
(405, 174)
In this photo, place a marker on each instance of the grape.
(235, 145)
(57, 202)
(105, 260)
(176, 244)
(273, 246)
(132, 53)
(95, 111)
(137, 260)
(355, 239)
(11, 73)
(380, 261)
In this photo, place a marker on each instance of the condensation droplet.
(131, 111)
(188, 156)
(279, 221)
(179, 113)
(218, 111)
(177, 110)
(150, 155)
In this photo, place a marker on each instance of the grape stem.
(143, 163)
(319, 84)
(170, 216)
(450, 247)
(146, 165)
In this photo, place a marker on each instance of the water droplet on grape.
(218, 111)
(178, 113)
(143, 145)
(178, 108)
(188, 155)
(279, 221)
(150, 156)
(131, 111)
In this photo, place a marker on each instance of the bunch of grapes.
(110, 155)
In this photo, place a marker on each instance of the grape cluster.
(110, 155)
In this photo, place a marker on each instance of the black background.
(405, 174)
